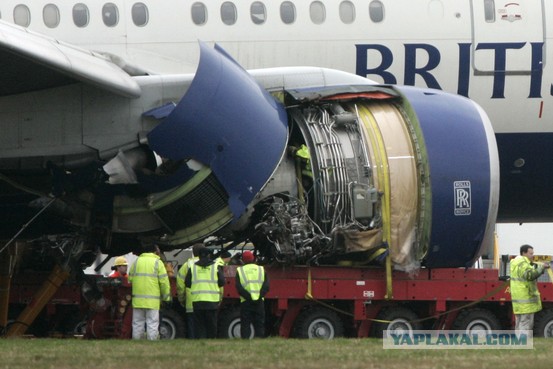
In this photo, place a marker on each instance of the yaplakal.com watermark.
(436, 339)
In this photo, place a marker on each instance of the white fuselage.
(493, 52)
(497, 58)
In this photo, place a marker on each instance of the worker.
(184, 294)
(206, 281)
(252, 285)
(150, 286)
(305, 158)
(304, 173)
(525, 295)
(119, 268)
(223, 259)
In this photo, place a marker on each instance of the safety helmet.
(120, 260)
(248, 257)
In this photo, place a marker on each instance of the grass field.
(271, 353)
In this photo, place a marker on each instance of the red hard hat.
(247, 257)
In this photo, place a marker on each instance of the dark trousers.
(191, 325)
(206, 323)
(252, 312)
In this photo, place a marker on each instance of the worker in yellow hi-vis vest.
(252, 285)
(184, 294)
(206, 281)
(525, 295)
(150, 286)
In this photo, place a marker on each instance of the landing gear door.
(507, 36)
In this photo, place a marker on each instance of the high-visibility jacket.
(303, 154)
(184, 294)
(525, 295)
(221, 264)
(204, 283)
(150, 283)
(251, 278)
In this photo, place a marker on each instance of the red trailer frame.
(305, 302)
(434, 299)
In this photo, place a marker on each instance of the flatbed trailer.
(303, 302)
(327, 302)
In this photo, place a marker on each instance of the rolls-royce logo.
(463, 201)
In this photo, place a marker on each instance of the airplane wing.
(30, 61)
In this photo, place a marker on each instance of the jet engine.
(319, 166)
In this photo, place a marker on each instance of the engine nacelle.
(316, 165)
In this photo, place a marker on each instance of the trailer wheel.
(171, 325)
(79, 328)
(318, 323)
(543, 325)
(229, 323)
(476, 320)
(401, 320)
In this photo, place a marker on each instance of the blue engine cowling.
(463, 167)
(412, 171)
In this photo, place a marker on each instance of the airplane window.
(347, 12)
(376, 11)
(287, 12)
(110, 15)
(51, 15)
(489, 10)
(199, 13)
(258, 12)
(80, 15)
(228, 13)
(317, 12)
(22, 15)
(139, 14)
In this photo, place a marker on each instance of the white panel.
(70, 60)
(520, 22)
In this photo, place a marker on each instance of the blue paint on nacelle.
(460, 165)
(160, 112)
(228, 122)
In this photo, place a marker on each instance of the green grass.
(270, 353)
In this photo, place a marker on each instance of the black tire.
(75, 324)
(543, 324)
(476, 320)
(229, 323)
(78, 328)
(401, 320)
(171, 325)
(316, 322)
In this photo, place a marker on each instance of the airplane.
(96, 58)
(491, 51)
(117, 132)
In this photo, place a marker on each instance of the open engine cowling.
(323, 166)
